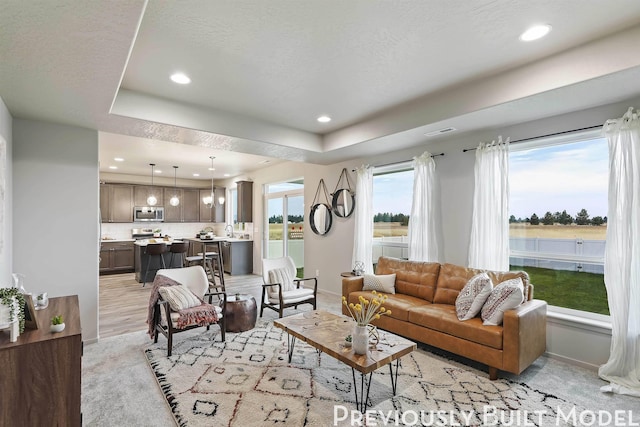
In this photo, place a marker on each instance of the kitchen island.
(141, 258)
(237, 254)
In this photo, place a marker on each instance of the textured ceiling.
(387, 72)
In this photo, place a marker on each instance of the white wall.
(55, 171)
(6, 222)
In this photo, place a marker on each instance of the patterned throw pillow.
(282, 276)
(380, 283)
(505, 296)
(179, 297)
(473, 296)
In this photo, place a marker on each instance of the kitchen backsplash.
(178, 230)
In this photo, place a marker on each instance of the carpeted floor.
(247, 381)
(119, 387)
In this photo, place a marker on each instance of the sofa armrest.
(350, 284)
(524, 335)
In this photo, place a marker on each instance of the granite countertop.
(219, 239)
(117, 240)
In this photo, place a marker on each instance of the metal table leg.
(394, 377)
(362, 403)
(291, 342)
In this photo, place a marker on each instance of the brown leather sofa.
(423, 309)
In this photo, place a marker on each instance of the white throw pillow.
(380, 283)
(179, 297)
(282, 276)
(505, 296)
(473, 296)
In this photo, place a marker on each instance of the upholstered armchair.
(281, 288)
(170, 304)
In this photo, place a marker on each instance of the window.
(558, 223)
(392, 197)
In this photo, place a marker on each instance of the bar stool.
(154, 250)
(211, 262)
(181, 249)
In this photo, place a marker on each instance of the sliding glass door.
(284, 230)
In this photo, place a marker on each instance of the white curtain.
(423, 236)
(622, 255)
(363, 235)
(489, 245)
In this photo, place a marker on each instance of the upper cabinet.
(245, 201)
(187, 210)
(116, 203)
(142, 192)
(118, 200)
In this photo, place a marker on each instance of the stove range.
(141, 233)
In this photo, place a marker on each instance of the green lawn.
(570, 289)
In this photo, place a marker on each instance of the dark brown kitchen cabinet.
(245, 201)
(220, 192)
(190, 205)
(142, 192)
(116, 257)
(187, 210)
(42, 371)
(207, 213)
(116, 203)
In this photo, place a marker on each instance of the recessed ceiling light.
(158, 171)
(324, 119)
(536, 32)
(227, 174)
(118, 159)
(196, 174)
(211, 169)
(113, 167)
(180, 78)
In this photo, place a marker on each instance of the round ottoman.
(241, 313)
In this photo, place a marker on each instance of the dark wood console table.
(40, 372)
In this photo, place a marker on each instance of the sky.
(563, 177)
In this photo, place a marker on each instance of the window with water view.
(558, 223)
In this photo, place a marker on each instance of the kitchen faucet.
(229, 230)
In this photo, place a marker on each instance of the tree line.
(563, 218)
(390, 217)
(277, 219)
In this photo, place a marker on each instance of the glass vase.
(360, 342)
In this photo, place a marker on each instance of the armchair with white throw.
(177, 303)
(281, 288)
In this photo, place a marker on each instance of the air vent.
(440, 131)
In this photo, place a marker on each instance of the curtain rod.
(542, 136)
(397, 163)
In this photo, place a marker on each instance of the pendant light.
(174, 201)
(208, 200)
(151, 200)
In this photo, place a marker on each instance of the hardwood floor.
(124, 302)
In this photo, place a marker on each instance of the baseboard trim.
(572, 361)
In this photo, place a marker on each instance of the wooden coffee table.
(326, 332)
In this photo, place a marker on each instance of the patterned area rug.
(247, 381)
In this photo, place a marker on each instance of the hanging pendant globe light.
(208, 200)
(174, 201)
(151, 200)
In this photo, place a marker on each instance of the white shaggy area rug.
(247, 381)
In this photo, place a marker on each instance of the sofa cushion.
(398, 304)
(452, 279)
(417, 279)
(505, 296)
(443, 318)
(380, 282)
(473, 296)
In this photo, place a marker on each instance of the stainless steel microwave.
(148, 214)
